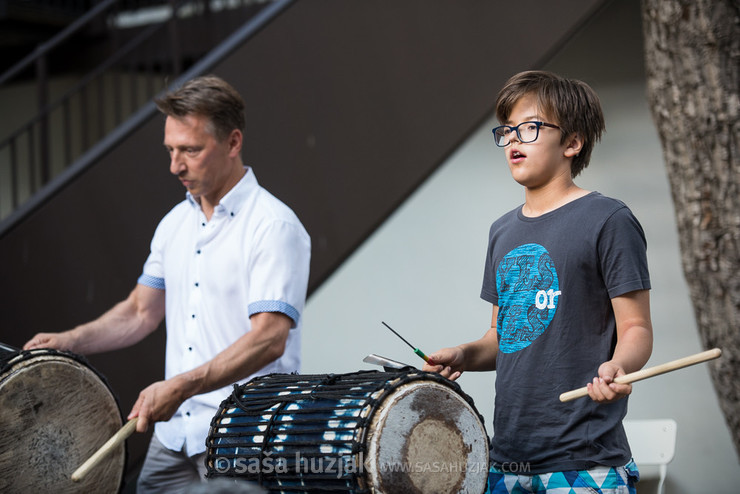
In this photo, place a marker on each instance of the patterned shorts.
(601, 480)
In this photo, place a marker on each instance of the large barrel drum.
(403, 431)
(55, 412)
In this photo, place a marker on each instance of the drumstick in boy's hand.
(650, 372)
(416, 350)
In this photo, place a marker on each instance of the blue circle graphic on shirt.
(529, 291)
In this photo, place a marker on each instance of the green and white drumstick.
(416, 350)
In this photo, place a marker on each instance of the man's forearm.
(125, 324)
(264, 344)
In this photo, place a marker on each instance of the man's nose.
(176, 163)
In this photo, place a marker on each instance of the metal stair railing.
(63, 130)
(26, 154)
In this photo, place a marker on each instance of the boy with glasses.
(567, 275)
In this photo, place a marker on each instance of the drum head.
(427, 439)
(54, 414)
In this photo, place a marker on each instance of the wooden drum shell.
(55, 412)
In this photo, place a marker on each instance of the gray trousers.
(167, 471)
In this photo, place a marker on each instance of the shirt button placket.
(191, 324)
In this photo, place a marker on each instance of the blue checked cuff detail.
(151, 281)
(274, 306)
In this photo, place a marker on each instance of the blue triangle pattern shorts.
(601, 480)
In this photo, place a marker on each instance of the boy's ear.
(573, 145)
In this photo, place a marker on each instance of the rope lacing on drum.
(319, 390)
(266, 439)
(9, 360)
(289, 404)
(272, 403)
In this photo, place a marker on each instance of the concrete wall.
(421, 271)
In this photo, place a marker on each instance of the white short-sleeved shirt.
(251, 257)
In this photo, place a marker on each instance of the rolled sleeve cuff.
(275, 306)
(629, 287)
(151, 281)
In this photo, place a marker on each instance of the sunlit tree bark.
(692, 55)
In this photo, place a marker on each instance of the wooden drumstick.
(650, 372)
(117, 438)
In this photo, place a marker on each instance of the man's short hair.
(207, 96)
(569, 103)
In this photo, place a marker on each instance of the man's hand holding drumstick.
(158, 402)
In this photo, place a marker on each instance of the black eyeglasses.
(525, 131)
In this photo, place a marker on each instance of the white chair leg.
(663, 471)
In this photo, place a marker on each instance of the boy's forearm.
(634, 347)
(634, 330)
(480, 355)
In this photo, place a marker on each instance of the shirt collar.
(232, 202)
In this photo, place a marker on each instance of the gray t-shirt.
(553, 278)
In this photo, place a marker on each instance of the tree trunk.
(692, 55)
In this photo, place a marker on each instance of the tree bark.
(692, 55)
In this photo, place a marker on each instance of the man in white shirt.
(228, 268)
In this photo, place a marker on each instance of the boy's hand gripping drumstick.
(650, 372)
(117, 438)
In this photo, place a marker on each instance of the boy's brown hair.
(570, 103)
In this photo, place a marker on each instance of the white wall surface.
(421, 271)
